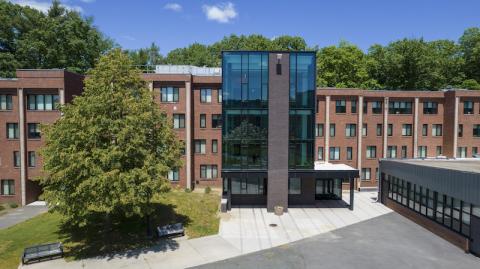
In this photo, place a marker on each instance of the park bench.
(170, 230)
(39, 252)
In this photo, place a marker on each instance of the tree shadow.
(122, 236)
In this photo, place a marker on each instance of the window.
(476, 130)
(467, 107)
(16, 159)
(406, 130)
(377, 107)
(438, 150)
(424, 129)
(365, 107)
(334, 153)
(250, 185)
(319, 130)
(365, 174)
(169, 94)
(31, 159)
(404, 151)
(462, 152)
(34, 131)
(377, 174)
(436, 130)
(8, 187)
(42, 101)
(217, 121)
(353, 104)
(400, 107)
(320, 153)
(12, 131)
(178, 121)
(392, 152)
(474, 150)
(294, 185)
(390, 129)
(460, 130)
(203, 121)
(200, 146)
(349, 153)
(371, 152)
(430, 107)
(364, 129)
(182, 147)
(332, 130)
(340, 106)
(350, 130)
(422, 151)
(173, 175)
(379, 129)
(6, 102)
(208, 171)
(219, 95)
(214, 146)
(205, 95)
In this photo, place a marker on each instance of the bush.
(188, 190)
(2, 207)
(208, 190)
(13, 205)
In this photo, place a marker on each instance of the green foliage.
(13, 205)
(471, 84)
(59, 39)
(470, 47)
(2, 207)
(208, 190)
(146, 56)
(112, 148)
(188, 190)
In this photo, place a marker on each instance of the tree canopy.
(111, 150)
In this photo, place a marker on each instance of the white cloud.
(173, 6)
(43, 6)
(221, 13)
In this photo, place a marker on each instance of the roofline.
(273, 51)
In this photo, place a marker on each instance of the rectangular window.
(365, 107)
(400, 107)
(371, 152)
(182, 147)
(460, 130)
(476, 130)
(424, 129)
(214, 146)
(251, 185)
(12, 131)
(173, 175)
(392, 152)
(379, 129)
(439, 151)
(462, 152)
(319, 130)
(350, 130)
(203, 121)
(467, 107)
(474, 150)
(34, 131)
(340, 106)
(31, 159)
(430, 107)
(349, 153)
(389, 129)
(365, 176)
(320, 153)
(205, 95)
(334, 153)
(294, 185)
(436, 130)
(377, 174)
(169, 94)
(6, 102)
(404, 151)
(208, 171)
(332, 130)
(377, 107)
(178, 121)
(406, 130)
(8, 187)
(353, 104)
(42, 101)
(422, 151)
(219, 95)
(216, 120)
(200, 145)
(364, 129)
(16, 159)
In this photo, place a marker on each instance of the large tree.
(470, 46)
(111, 150)
(60, 38)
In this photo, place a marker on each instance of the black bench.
(39, 252)
(170, 230)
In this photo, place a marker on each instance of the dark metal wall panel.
(459, 184)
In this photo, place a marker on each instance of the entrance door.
(475, 235)
(324, 189)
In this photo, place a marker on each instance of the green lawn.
(197, 211)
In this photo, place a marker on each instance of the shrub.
(188, 190)
(208, 190)
(13, 205)
(2, 207)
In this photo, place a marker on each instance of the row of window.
(13, 131)
(446, 210)
(171, 95)
(200, 146)
(34, 102)
(31, 159)
(7, 187)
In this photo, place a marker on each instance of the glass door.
(327, 188)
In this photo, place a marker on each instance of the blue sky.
(173, 24)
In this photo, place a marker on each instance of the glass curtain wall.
(302, 110)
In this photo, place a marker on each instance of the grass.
(198, 212)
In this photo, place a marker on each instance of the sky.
(178, 23)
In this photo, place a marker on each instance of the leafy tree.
(471, 84)
(146, 56)
(195, 54)
(470, 46)
(111, 150)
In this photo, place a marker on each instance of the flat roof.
(323, 166)
(460, 164)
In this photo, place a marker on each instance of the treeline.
(64, 39)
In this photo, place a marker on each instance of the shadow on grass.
(123, 237)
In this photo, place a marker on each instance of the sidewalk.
(22, 214)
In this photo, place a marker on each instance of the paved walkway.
(22, 214)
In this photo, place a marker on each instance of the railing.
(180, 69)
